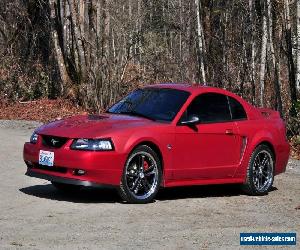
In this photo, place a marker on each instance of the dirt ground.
(33, 215)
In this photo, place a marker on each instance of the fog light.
(79, 172)
(29, 164)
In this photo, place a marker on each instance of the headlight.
(93, 144)
(33, 138)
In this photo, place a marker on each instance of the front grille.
(51, 169)
(53, 141)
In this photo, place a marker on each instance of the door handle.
(229, 132)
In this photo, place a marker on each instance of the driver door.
(209, 149)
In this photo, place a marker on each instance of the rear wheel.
(260, 173)
(67, 188)
(141, 176)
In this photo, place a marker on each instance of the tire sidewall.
(124, 190)
(250, 181)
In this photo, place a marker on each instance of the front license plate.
(46, 158)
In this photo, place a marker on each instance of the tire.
(66, 188)
(141, 176)
(260, 172)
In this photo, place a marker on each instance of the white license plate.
(46, 158)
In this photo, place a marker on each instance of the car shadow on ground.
(110, 195)
(86, 195)
(205, 191)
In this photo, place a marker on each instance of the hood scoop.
(94, 117)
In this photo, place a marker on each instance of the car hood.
(92, 126)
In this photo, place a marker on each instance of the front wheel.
(141, 176)
(260, 172)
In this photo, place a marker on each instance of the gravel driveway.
(33, 215)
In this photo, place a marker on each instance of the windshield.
(152, 103)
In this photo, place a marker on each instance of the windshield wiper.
(134, 113)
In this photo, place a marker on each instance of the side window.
(237, 110)
(210, 107)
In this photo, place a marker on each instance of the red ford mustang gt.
(163, 135)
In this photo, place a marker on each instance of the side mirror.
(192, 120)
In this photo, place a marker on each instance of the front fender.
(161, 141)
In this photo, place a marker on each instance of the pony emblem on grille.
(53, 141)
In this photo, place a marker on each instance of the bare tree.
(200, 39)
(289, 52)
(263, 53)
(275, 60)
(298, 45)
(65, 79)
(253, 50)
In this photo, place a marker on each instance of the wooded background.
(94, 51)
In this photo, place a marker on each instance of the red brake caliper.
(146, 165)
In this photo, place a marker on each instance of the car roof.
(192, 88)
(197, 89)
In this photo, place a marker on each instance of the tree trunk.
(180, 39)
(131, 52)
(98, 18)
(275, 61)
(200, 40)
(65, 79)
(298, 45)
(106, 88)
(291, 65)
(78, 40)
(81, 16)
(263, 55)
(253, 51)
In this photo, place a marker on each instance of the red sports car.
(163, 136)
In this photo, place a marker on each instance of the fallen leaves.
(295, 147)
(43, 110)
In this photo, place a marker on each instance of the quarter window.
(210, 107)
(237, 110)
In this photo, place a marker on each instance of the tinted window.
(237, 110)
(210, 107)
(154, 103)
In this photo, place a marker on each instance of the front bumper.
(101, 168)
(70, 181)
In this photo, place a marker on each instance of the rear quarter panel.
(264, 130)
